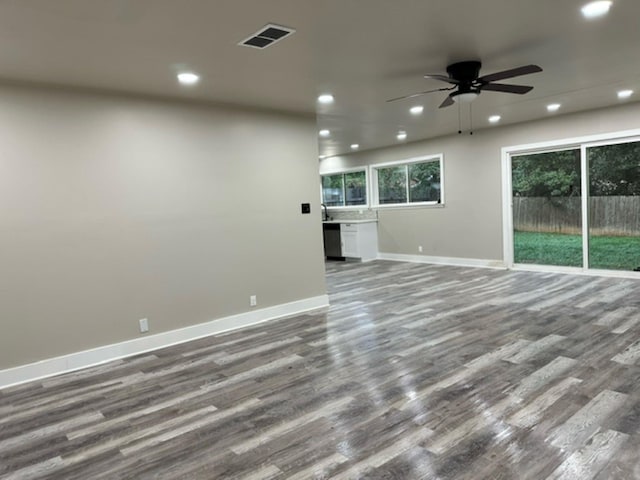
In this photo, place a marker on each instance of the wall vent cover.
(267, 35)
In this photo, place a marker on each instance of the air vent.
(267, 35)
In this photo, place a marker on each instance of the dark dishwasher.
(332, 243)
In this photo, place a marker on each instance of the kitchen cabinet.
(359, 240)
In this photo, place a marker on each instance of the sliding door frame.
(582, 143)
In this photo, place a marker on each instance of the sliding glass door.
(614, 206)
(577, 207)
(547, 219)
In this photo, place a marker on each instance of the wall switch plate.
(253, 300)
(144, 325)
(306, 208)
(419, 248)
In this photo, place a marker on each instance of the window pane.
(355, 188)
(547, 209)
(424, 183)
(614, 206)
(392, 185)
(332, 190)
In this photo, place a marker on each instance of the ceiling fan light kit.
(465, 97)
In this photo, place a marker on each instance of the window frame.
(375, 194)
(343, 172)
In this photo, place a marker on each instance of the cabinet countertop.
(371, 220)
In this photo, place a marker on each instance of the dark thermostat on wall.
(306, 207)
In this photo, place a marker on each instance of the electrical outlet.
(419, 248)
(253, 300)
(144, 325)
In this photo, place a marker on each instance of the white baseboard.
(453, 261)
(88, 358)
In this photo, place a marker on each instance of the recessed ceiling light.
(553, 107)
(325, 98)
(401, 135)
(625, 93)
(355, 146)
(324, 133)
(417, 110)
(596, 9)
(494, 118)
(188, 78)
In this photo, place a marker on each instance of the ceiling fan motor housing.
(465, 73)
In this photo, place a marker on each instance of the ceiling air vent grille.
(267, 35)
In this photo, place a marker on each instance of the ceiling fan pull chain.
(470, 119)
(459, 121)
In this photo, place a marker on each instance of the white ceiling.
(362, 51)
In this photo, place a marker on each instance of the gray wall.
(470, 223)
(113, 209)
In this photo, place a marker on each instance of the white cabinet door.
(350, 244)
(359, 240)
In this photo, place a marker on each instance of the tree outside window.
(424, 182)
(344, 189)
(392, 185)
(412, 182)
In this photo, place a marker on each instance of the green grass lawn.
(610, 253)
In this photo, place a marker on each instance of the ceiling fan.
(467, 85)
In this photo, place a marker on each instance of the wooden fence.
(615, 216)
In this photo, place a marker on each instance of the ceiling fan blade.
(514, 72)
(419, 93)
(447, 102)
(443, 78)
(503, 87)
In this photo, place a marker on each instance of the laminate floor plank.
(575, 431)
(414, 371)
(586, 463)
(630, 356)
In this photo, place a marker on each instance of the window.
(411, 182)
(547, 216)
(344, 189)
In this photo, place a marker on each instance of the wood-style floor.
(416, 371)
